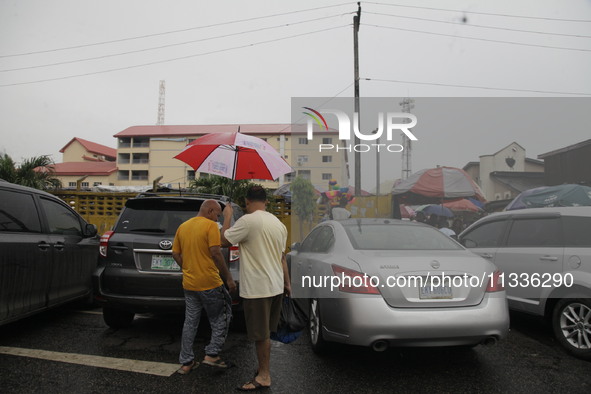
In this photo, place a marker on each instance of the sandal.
(219, 363)
(192, 365)
(256, 386)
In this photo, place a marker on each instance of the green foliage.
(36, 172)
(303, 199)
(214, 184)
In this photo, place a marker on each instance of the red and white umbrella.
(235, 156)
(438, 184)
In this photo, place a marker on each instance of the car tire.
(117, 318)
(317, 341)
(571, 322)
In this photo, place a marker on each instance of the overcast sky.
(249, 76)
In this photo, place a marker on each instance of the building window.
(141, 142)
(327, 140)
(124, 142)
(327, 159)
(123, 158)
(302, 159)
(289, 177)
(326, 177)
(190, 175)
(139, 175)
(303, 141)
(84, 184)
(204, 175)
(304, 174)
(141, 158)
(97, 183)
(123, 175)
(71, 184)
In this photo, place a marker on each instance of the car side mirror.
(90, 230)
(467, 242)
(295, 246)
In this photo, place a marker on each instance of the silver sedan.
(386, 282)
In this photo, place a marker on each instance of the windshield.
(398, 237)
(160, 216)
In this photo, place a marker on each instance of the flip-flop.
(219, 363)
(257, 386)
(194, 364)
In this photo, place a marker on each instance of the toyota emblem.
(165, 244)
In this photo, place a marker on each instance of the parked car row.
(49, 255)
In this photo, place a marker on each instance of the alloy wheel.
(575, 324)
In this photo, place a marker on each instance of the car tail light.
(495, 282)
(351, 281)
(105, 242)
(234, 253)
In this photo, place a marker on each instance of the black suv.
(47, 252)
(136, 271)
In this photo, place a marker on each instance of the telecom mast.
(407, 104)
(160, 121)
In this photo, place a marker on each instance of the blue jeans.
(217, 305)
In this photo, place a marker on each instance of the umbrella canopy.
(462, 205)
(436, 184)
(235, 156)
(434, 209)
(552, 196)
(406, 212)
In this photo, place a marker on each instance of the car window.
(60, 219)
(487, 235)
(323, 241)
(535, 232)
(18, 212)
(577, 231)
(398, 237)
(309, 241)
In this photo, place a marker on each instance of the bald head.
(210, 209)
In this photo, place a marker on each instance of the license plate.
(161, 262)
(435, 292)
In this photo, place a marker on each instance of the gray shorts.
(262, 316)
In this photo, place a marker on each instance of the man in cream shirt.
(264, 278)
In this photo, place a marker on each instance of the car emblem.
(435, 264)
(165, 244)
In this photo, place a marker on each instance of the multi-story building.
(88, 163)
(146, 153)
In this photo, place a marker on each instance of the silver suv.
(545, 255)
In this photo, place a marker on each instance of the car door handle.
(486, 255)
(43, 245)
(549, 258)
(59, 246)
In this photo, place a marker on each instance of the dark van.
(47, 252)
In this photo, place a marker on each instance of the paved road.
(529, 360)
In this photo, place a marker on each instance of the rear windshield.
(398, 237)
(159, 216)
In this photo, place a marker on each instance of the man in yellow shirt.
(196, 249)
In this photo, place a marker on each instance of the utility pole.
(356, 20)
(407, 104)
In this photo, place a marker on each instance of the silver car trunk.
(439, 278)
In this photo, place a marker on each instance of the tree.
(214, 184)
(303, 201)
(36, 172)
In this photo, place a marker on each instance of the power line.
(171, 32)
(481, 26)
(480, 39)
(173, 59)
(164, 46)
(482, 13)
(476, 87)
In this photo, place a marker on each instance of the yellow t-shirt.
(192, 240)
